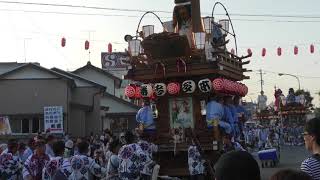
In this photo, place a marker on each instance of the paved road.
(291, 157)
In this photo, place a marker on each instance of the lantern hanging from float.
(205, 85)
(173, 88)
(188, 86)
(217, 84)
(160, 89)
(146, 90)
(130, 91)
(137, 95)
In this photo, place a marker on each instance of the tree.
(307, 96)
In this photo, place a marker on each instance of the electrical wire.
(300, 76)
(137, 16)
(157, 11)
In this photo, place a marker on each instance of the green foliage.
(307, 96)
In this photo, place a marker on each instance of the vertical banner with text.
(53, 119)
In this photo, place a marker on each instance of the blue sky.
(42, 33)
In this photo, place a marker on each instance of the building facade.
(25, 89)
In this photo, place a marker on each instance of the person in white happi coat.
(83, 166)
(58, 168)
(148, 148)
(131, 159)
(10, 164)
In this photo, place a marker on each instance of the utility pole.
(25, 48)
(261, 80)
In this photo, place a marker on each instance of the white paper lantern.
(205, 85)
(188, 86)
(146, 90)
(160, 89)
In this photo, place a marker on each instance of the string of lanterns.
(249, 50)
(219, 85)
(279, 51)
(86, 44)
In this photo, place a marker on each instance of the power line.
(137, 16)
(158, 11)
(77, 6)
(301, 76)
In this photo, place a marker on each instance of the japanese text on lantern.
(159, 89)
(205, 85)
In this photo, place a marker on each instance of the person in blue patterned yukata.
(195, 163)
(228, 113)
(84, 167)
(58, 167)
(215, 113)
(113, 161)
(148, 148)
(145, 117)
(242, 114)
(10, 164)
(33, 166)
(132, 159)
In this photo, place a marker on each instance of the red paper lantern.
(232, 51)
(279, 51)
(249, 51)
(173, 88)
(234, 87)
(217, 84)
(295, 50)
(109, 48)
(63, 42)
(311, 48)
(86, 45)
(227, 85)
(238, 89)
(130, 91)
(264, 52)
(138, 92)
(245, 90)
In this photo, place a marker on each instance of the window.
(35, 125)
(25, 126)
(15, 125)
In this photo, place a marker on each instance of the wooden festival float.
(178, 70)
(293, 108)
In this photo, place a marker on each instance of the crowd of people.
(292, 135)
(130, 157)
(96, 157)
(261, 137)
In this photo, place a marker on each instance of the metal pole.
(281, 74)
(261, 80)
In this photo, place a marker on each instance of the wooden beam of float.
(196, 16)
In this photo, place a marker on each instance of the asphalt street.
(290, 157)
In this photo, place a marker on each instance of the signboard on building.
(53, 119)
(5, 125)
(116, 61)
